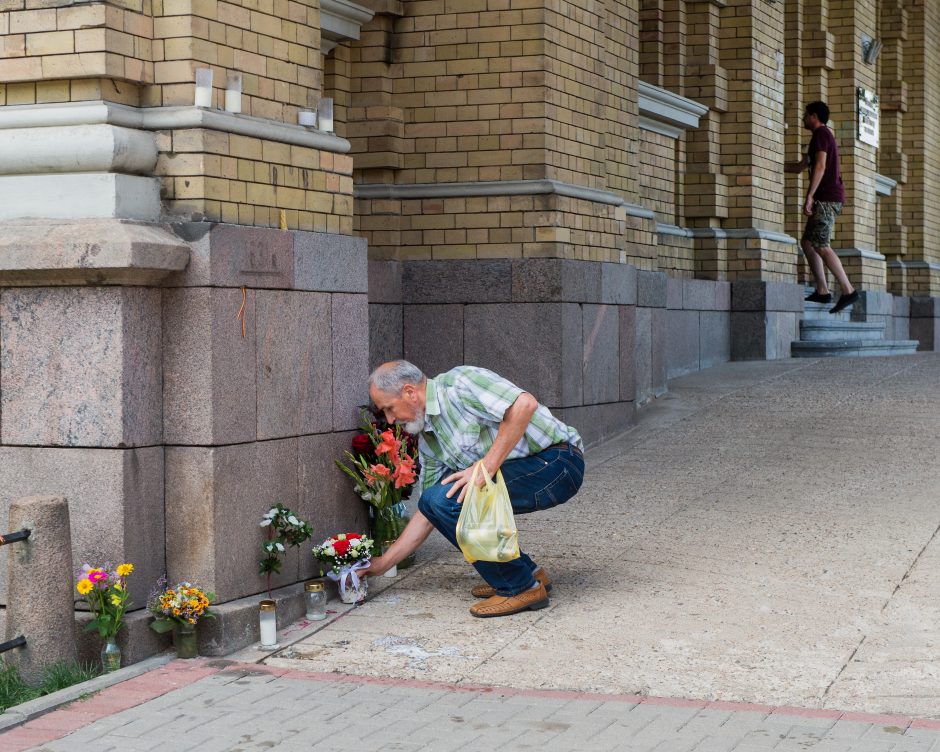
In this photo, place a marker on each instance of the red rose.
(362, 444)
(341, 547)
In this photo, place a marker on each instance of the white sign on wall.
(867, 117)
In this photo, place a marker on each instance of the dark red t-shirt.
(830, 187)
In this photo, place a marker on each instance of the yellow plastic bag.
(486, 530)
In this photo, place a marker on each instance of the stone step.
(814, 311)
(820, 330)
(852, 348)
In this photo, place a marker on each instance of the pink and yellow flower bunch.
(105, 592)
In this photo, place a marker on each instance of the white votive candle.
(203, 87)
(268, 621)
(393, 570)
(233, 93)
(307, 118)
(325, 114)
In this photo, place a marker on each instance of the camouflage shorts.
(819, 227)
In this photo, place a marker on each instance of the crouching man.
(462, 417)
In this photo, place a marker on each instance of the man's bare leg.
(816, 267)
(827, 255)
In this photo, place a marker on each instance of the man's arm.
(511, 429)
(415, 533)
(819, 169)
(795, 167)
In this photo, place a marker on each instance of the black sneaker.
(844, 302)
(819, 298)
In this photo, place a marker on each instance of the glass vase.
(387, 525)
(354, 594)
(184, 638)
(110, 655)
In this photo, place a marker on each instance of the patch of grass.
(13, 690)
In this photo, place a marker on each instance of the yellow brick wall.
(676, 256)
(45, 47)
(892, 160)
(921, 135)
(575, 86)
(476, 91)
(755, 258)
(848, 21)
(621, 59)
(471, 83)
(146, 51)
(488, 227)
(242, 180)
(752, 139)
(658, 171)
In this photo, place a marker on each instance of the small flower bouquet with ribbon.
(347, 554)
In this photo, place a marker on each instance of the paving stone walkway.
(753, 566)
(219, 706)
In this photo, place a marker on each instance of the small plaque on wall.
(867, 117)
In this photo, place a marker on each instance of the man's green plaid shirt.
(462, 415)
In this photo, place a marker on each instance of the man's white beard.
(416, 426)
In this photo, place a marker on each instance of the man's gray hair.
(392, 377)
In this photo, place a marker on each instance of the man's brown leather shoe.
(487, 591)
(500, 605)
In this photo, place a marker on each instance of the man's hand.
(461, 481)
(415, 533)
(511, 429)
(377, 567)
(808, 206)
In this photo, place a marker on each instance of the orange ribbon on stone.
(241, 310)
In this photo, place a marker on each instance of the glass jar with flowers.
(347, 554)
(105, 592)
(383, 466)
(179, 609)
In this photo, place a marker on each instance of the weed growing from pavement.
(14, 691)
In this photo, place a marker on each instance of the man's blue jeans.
(541, 481)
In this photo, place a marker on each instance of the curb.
(27, 711)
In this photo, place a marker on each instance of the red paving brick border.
(179, 673)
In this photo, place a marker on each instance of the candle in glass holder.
(316, 601)
(203, 87)
(233, 92)
(325, 114)
(393, 570)
(307, 118)
(268, 619)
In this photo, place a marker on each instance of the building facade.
(586, 196)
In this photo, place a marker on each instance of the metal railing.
(19, 535)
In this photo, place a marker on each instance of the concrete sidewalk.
(766, 534)
(218, 706)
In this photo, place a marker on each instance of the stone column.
(855, 238)
(921, 134)
(753, 143)
(892, 157)
(706, 186)
(40, 589)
